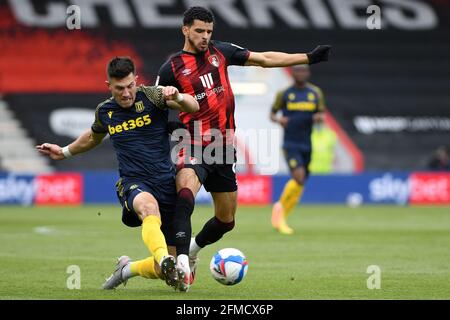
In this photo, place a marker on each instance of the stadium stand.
(17, 152)
(388, 89)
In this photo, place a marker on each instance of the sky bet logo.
(130, 125)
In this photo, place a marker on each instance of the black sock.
(182, 222)
(212, 231)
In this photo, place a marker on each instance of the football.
(228, 266)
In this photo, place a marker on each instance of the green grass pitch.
(327, 257)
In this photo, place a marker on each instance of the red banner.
(254, 189)
(430, 188)
(59, 189)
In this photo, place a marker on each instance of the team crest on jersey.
(291, 96)
(214, 60)
(311, 96)
(110, 113)
(292, 163)
(139, 106)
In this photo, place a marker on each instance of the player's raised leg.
(188, 185)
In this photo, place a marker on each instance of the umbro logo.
(180, 234)
(186, 72)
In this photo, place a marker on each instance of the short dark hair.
(198, 13)
(120, 67)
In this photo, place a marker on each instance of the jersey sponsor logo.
(208, 93)
(214, 60)
(301, 106)
(139, 106)
(130, 125)
(207, 80)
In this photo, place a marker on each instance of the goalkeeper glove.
(320, 53)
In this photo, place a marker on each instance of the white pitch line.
(44, 230)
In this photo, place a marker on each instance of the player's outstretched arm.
(180, 101)
(84, 142)
(272, 59)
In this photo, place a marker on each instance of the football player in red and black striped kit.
(200, 70)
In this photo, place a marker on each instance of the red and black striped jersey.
(205, 77)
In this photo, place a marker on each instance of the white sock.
(194, 248)
(126, 272)
(183, 260)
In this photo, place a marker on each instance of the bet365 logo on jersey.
(130, 124)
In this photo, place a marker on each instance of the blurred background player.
(301, 105)
(440, 161)
(136, 120)
(200, 70)
(323, 144)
